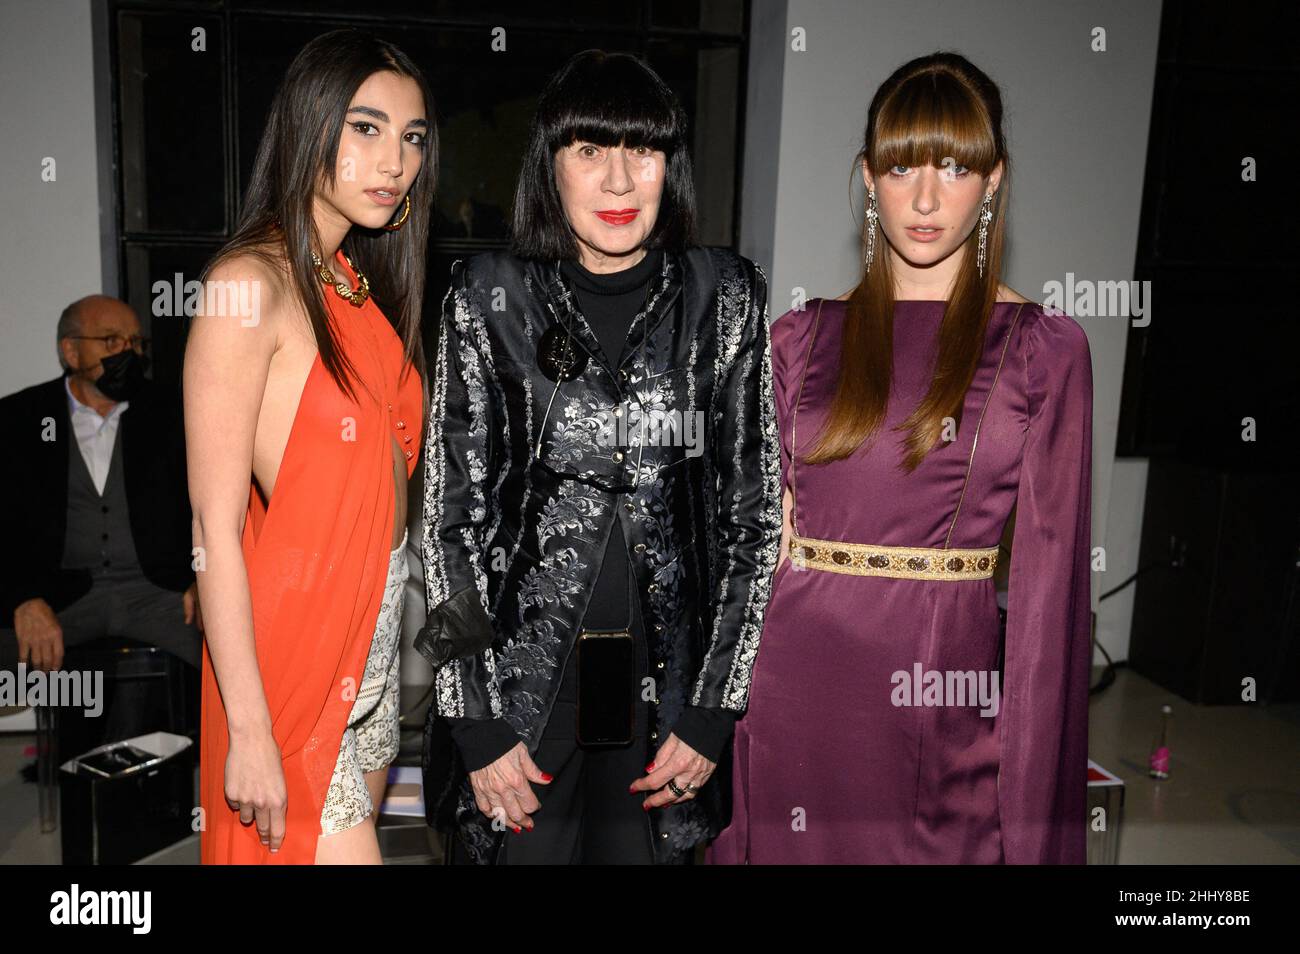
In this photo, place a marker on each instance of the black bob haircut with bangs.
(605, 99)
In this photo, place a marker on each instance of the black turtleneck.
(609, 303)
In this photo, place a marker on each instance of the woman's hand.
(676, 762)
(502, 791)
(255, 785)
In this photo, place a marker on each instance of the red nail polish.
(547, 777)
(517, 830)
(650, 768)
(645, 807)
(631, 789)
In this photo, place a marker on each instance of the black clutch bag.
(606, 687)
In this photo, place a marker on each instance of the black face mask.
(123, 373)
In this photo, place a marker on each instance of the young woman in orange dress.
(303, 406)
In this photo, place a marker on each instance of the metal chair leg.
(47, 757)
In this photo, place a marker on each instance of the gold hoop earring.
(394, 226)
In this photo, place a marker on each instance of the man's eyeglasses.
(116, 343)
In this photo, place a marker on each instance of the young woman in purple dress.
(889, 718)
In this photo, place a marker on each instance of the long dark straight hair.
(297, 152)
(931, 108)
(605, 99)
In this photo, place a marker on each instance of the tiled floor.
(1233, 795)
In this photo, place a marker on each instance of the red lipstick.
(617, 216)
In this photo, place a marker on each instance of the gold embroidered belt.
(908, 563)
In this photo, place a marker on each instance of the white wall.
(1076, 124)
(50, 249)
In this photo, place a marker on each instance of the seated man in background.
(95, 533)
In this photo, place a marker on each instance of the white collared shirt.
(95, 434)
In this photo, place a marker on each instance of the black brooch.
(559, 356)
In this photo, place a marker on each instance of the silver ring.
(690, 786)
(672, 787)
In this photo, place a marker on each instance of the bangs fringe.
(610, 102)
(932, 117)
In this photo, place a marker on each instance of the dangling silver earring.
(986, 216)
(873, 216)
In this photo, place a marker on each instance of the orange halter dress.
(317, 558)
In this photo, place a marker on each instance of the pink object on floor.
(1160, 759)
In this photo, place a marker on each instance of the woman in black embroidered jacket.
(601, 456)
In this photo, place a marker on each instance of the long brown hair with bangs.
(931, 108)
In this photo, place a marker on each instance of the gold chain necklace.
(356, 298)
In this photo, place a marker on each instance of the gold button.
(409, 455)
(401, 425)
(618, 456)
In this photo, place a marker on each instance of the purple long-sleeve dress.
(830, 765)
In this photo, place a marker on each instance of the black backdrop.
(187, 121)
(1221, 253)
